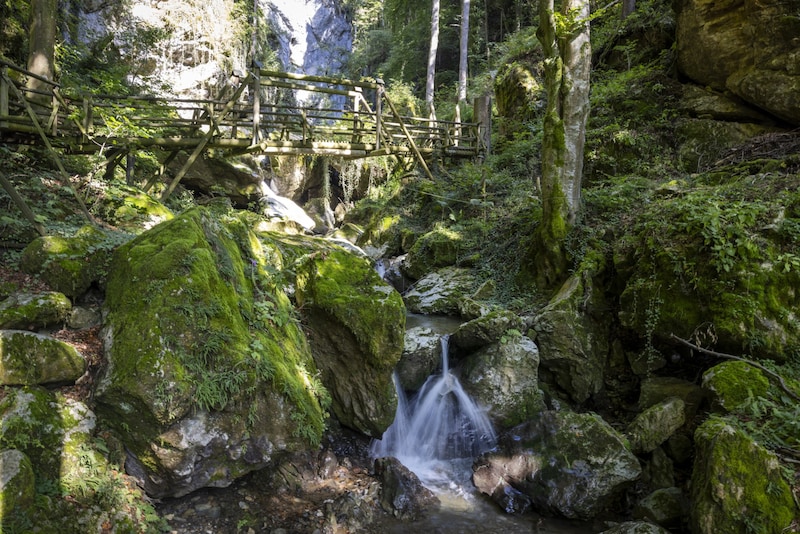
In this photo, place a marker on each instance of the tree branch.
(757, 365)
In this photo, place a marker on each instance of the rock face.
(32, 311)
(29, 359)
(440, 292)
(422, 354)
(205, 360)
(504, 378)
(737, 486)
(17, 483)
(356, 324)
(567, 463)
(572, 345)
(746, 47)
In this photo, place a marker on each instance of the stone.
(702, 102)
(656, 424)
(422, 354)
(573, 343)
(657, 389)
(734, 382)
(34, 311)
(434, 250)
(635, 527)
(128, 208)
(69, 265)
(733, 479)
(486, 329)
(439, 293)
(402, 493)
(659, 472)
(503, 377)
(27, 358)
(17, 484)
(568, 464)
(666, 507)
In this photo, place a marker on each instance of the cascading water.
(440, 429)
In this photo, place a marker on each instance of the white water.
(439, 432)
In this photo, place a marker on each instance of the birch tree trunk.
(462, 63)
(567, 51)
(430, 81)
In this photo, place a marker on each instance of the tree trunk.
(628, 7)
(462, 60)
(42, 36)
(567, 64)
(430, 81)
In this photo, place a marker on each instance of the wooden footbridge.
(259, 112)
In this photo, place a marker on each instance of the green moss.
(737, 485)
(437, 248)
(735, 382)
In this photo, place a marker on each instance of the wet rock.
(635, 527)
(732, 383)
(439, 293)
(734, 478)
(504, 378)
(402, 493)
(422, 354)
(656, 424)
(567, 464)
(34, 311)
(29, 359)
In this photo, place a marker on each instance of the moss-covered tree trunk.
(42, 35)
(567, 51)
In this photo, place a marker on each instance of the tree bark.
(628, 7)
(464, 50)
(433, 50)
(567, 65)
(42, 38)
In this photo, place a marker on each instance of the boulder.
(573, 345)
(422, 354)
(567, 463)
(437, 249)
(34, 311)
(704, 141)
(69, 265)
(27, 358)
(127, 208)
(402, 493)
(737, 485)
(356, 325)
(486, 329)
(504, 378)
(705, 103)
(440, 292)
(209, 373)
(655, 425)
(635, 527)
(734, 382)
(17, 484)
(657, 389)
(666, 507)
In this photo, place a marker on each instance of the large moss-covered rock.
(573, 343)
(504, 378)
(567, 463)
(356, 324)
(518, 95)
(209, 373)
(32, 311)
(746, 47)
(434, 250)
(27, 358)
(128, 208)
(69, 265)
(487, 329)
(656, 424)
(17, 484)
(737, 485)
(732, 383)
(440, 292)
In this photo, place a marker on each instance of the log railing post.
(3, 95)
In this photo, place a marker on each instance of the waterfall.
(440, 425)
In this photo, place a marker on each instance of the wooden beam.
(20, 202)
(408, 136)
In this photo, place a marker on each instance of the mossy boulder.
(129, 208)
(440, 292)
(27, 358)
(69, 265)
(568, 464)
(356, 325)
(33, 311)
(737, 485)
(17, 484)
(572, 339)
(733, 383)
(209, 373)
(503, 377)
(487, 329)
(655, 425)
(434, 250)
